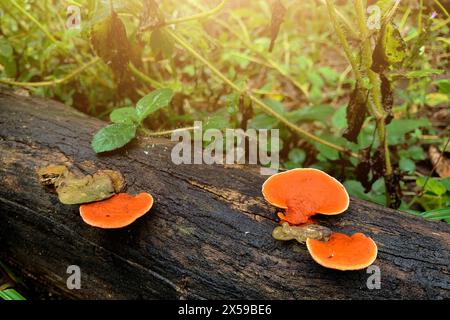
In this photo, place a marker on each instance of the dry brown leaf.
(49, 176)
(439, 161)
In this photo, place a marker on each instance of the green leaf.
(153, 102)
(315, 79)
(431, 202)
(275, 105)
(407, 165)
(262, 121)
(446, 183)
(276, 147)
(11, 294)
(390, 48)
(161, 44)
(304, 62)
(419, 73)
(433, 185)
(330, 75)
(113, 136)
(327, 152)
(397, 129)
(219, 121)
(355, 189)
(444, 86)
(379, 186)
(339, 119)
(436, 98)
(297, 155)
(7, 59)
(384, 5)
(124, 115)
(413, 152)
(394, 46)
(312, 113)
(437, 214)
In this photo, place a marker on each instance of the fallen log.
(207, 236)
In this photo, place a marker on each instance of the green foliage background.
(306, 78)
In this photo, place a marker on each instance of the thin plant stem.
(439, 4)
(255, 100)
(149, 133)
(144, 77)
(375, 88)
(431, 173)
(51, 82)
(34, 20)
(199, 16)
(271, 63)
(419, 18)
(343, 40)
(111, 6)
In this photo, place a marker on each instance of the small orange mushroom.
(342, 252)
(304, 192)
(116, 212)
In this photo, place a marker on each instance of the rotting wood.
(207, 236)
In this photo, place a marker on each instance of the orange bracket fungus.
(286, 232)
(116, 212)
(304, 192)
(343, 252)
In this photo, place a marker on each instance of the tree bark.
(207, 236)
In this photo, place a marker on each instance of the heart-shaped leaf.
(124, 115)
(113, 136)
(152, 102)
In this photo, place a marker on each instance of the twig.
(144, 77)
(111, 6)
(194, 17)
(256, 100)
(347, 23)
(375, 89)
(431, 173)
(40, 26)
(51, 82)
(148, 133)
(269, 61)
(343, 40)
(439, 4)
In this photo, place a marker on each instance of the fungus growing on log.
(116, 212)
(286, 232)
(305, 192)
(342, 252)
(77, 189)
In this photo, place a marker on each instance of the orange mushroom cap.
(116, 212)
(304, 192)
(342, 252)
